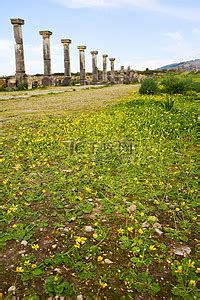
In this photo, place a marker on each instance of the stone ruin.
(49, 79)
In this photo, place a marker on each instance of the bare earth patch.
(60, 103)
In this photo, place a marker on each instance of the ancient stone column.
(112, 68)
(67, 68)
(105, 75)
(82, 64)
(46, 56)
(19, 51)
(122, 74)
(94, 67)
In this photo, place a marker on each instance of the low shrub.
(175, 85)
(148, 87)
(22, 87)
(195, 86)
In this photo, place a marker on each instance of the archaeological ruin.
(66, 78)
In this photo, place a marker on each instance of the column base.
(46, 81)
(21, 78)
(83, 82)
(66, 81)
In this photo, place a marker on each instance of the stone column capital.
(94, 52)
(17, 21)
(45, 33)
(66, 41)
(112, 59)
(105, 55)
(81, 48)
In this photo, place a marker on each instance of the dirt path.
(37, 92)
(61, 102)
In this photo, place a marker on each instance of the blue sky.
(140, 33)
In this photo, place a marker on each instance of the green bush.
(195, 86)
(174, 85)
(148, 87)
(2, 88)
(22, 87)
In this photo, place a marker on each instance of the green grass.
(139, 199)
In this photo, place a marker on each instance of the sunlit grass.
(103, 204)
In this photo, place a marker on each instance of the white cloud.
(159, 6)
(176, 37)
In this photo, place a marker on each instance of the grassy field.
(100, 196)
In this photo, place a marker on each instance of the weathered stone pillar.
(19, 51)
(105, 75)
(112, 68)
(46, 56)
(94, 67)
(121, 77)
(82, 64)
(67, 67)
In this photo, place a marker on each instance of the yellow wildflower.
(99, 258)
(140, 231)
(19, 270)
(94, 235)
(152, 248)
(27, 262)
(192, 282)
(152, 219)
(191, 264)
(14, 226)
(102, 284)
(177, 209)
(120, 231)
(130, 229)
(198, 270)
(88, 189)
(56, 278)
(77, 245)
(179, 270)
(35, 247)
(142, 214)
(80, 241)
(33, 266)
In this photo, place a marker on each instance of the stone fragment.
(145, 224)
(12, 289)
(132, 208)
(182, 251)
(89, 229)
(24, 243)
(157, 225)
(108, 261)
(158, 231)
